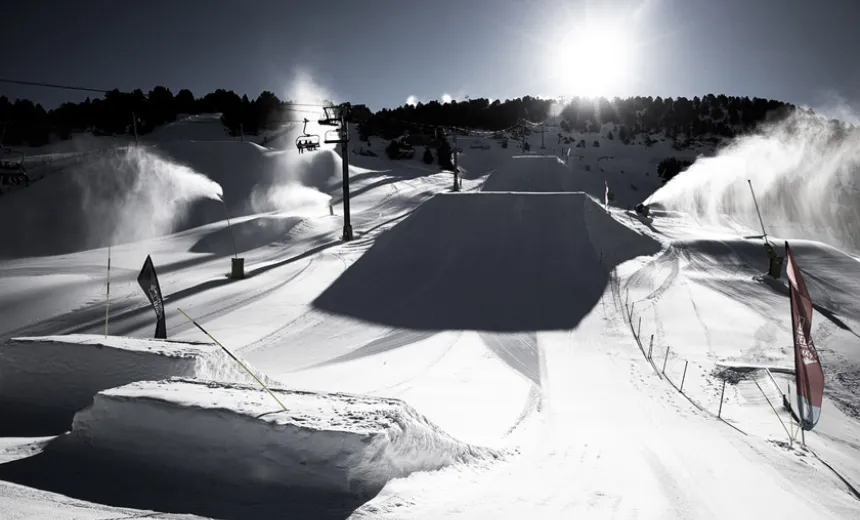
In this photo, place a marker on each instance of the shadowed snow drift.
(44, 381)
(488, 261)
(323, 449)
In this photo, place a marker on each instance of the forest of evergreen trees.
(25, 122)
(711, 114)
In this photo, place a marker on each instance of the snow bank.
(200, 127)
(45, 380)
(323, 442)
(488, 261)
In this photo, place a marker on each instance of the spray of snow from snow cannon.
(136, 194)
(296, 183)
(806, 173)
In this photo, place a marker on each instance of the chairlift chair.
(306, 141)
(333, 115)
(334, 136)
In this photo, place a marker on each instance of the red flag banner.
(807, 365)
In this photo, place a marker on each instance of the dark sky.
(380, 52)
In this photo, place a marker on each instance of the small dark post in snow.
(684, 376)
(650, 347)
(639, 328)
(666, 360)
(722, 395)
(237, 265)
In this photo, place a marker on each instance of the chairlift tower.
(336, 116)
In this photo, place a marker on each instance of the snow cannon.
(774, 261)
(237, 268)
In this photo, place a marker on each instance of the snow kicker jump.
(488, 261)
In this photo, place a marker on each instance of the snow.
(23, 503)
(468, 277)
(329, 442)
(488, 342)
(45, 380)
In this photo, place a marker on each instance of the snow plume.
(296, 183)
(305, 89)
(804, 171)
(135, 194)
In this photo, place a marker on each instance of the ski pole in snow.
(266, 388)
(107, 304)
(763, 232)
(790, 440)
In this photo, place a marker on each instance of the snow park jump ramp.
(502, 262)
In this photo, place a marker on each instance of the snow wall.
(323, 442)
(45, 380)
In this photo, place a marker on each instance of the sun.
(593, 61)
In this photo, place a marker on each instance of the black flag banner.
(148, 281)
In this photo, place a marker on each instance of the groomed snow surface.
(469, 355)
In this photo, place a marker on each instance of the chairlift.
(333, 116)
(306, 141)
(335, 136)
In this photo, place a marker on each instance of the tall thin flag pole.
(107, 305)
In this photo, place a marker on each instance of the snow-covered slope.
(507, 315)
(450, 265)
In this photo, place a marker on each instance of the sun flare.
(593, 61)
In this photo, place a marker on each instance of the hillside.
(518, 348)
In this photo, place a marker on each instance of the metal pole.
(107, 305)
(639, 329)
(650, 347)
(666, 360)
(134, 125)
(763, 232)
(774, 410)
(684, 376)
(456, 165)
(230, 228)
(722, 394)
(347, 226)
